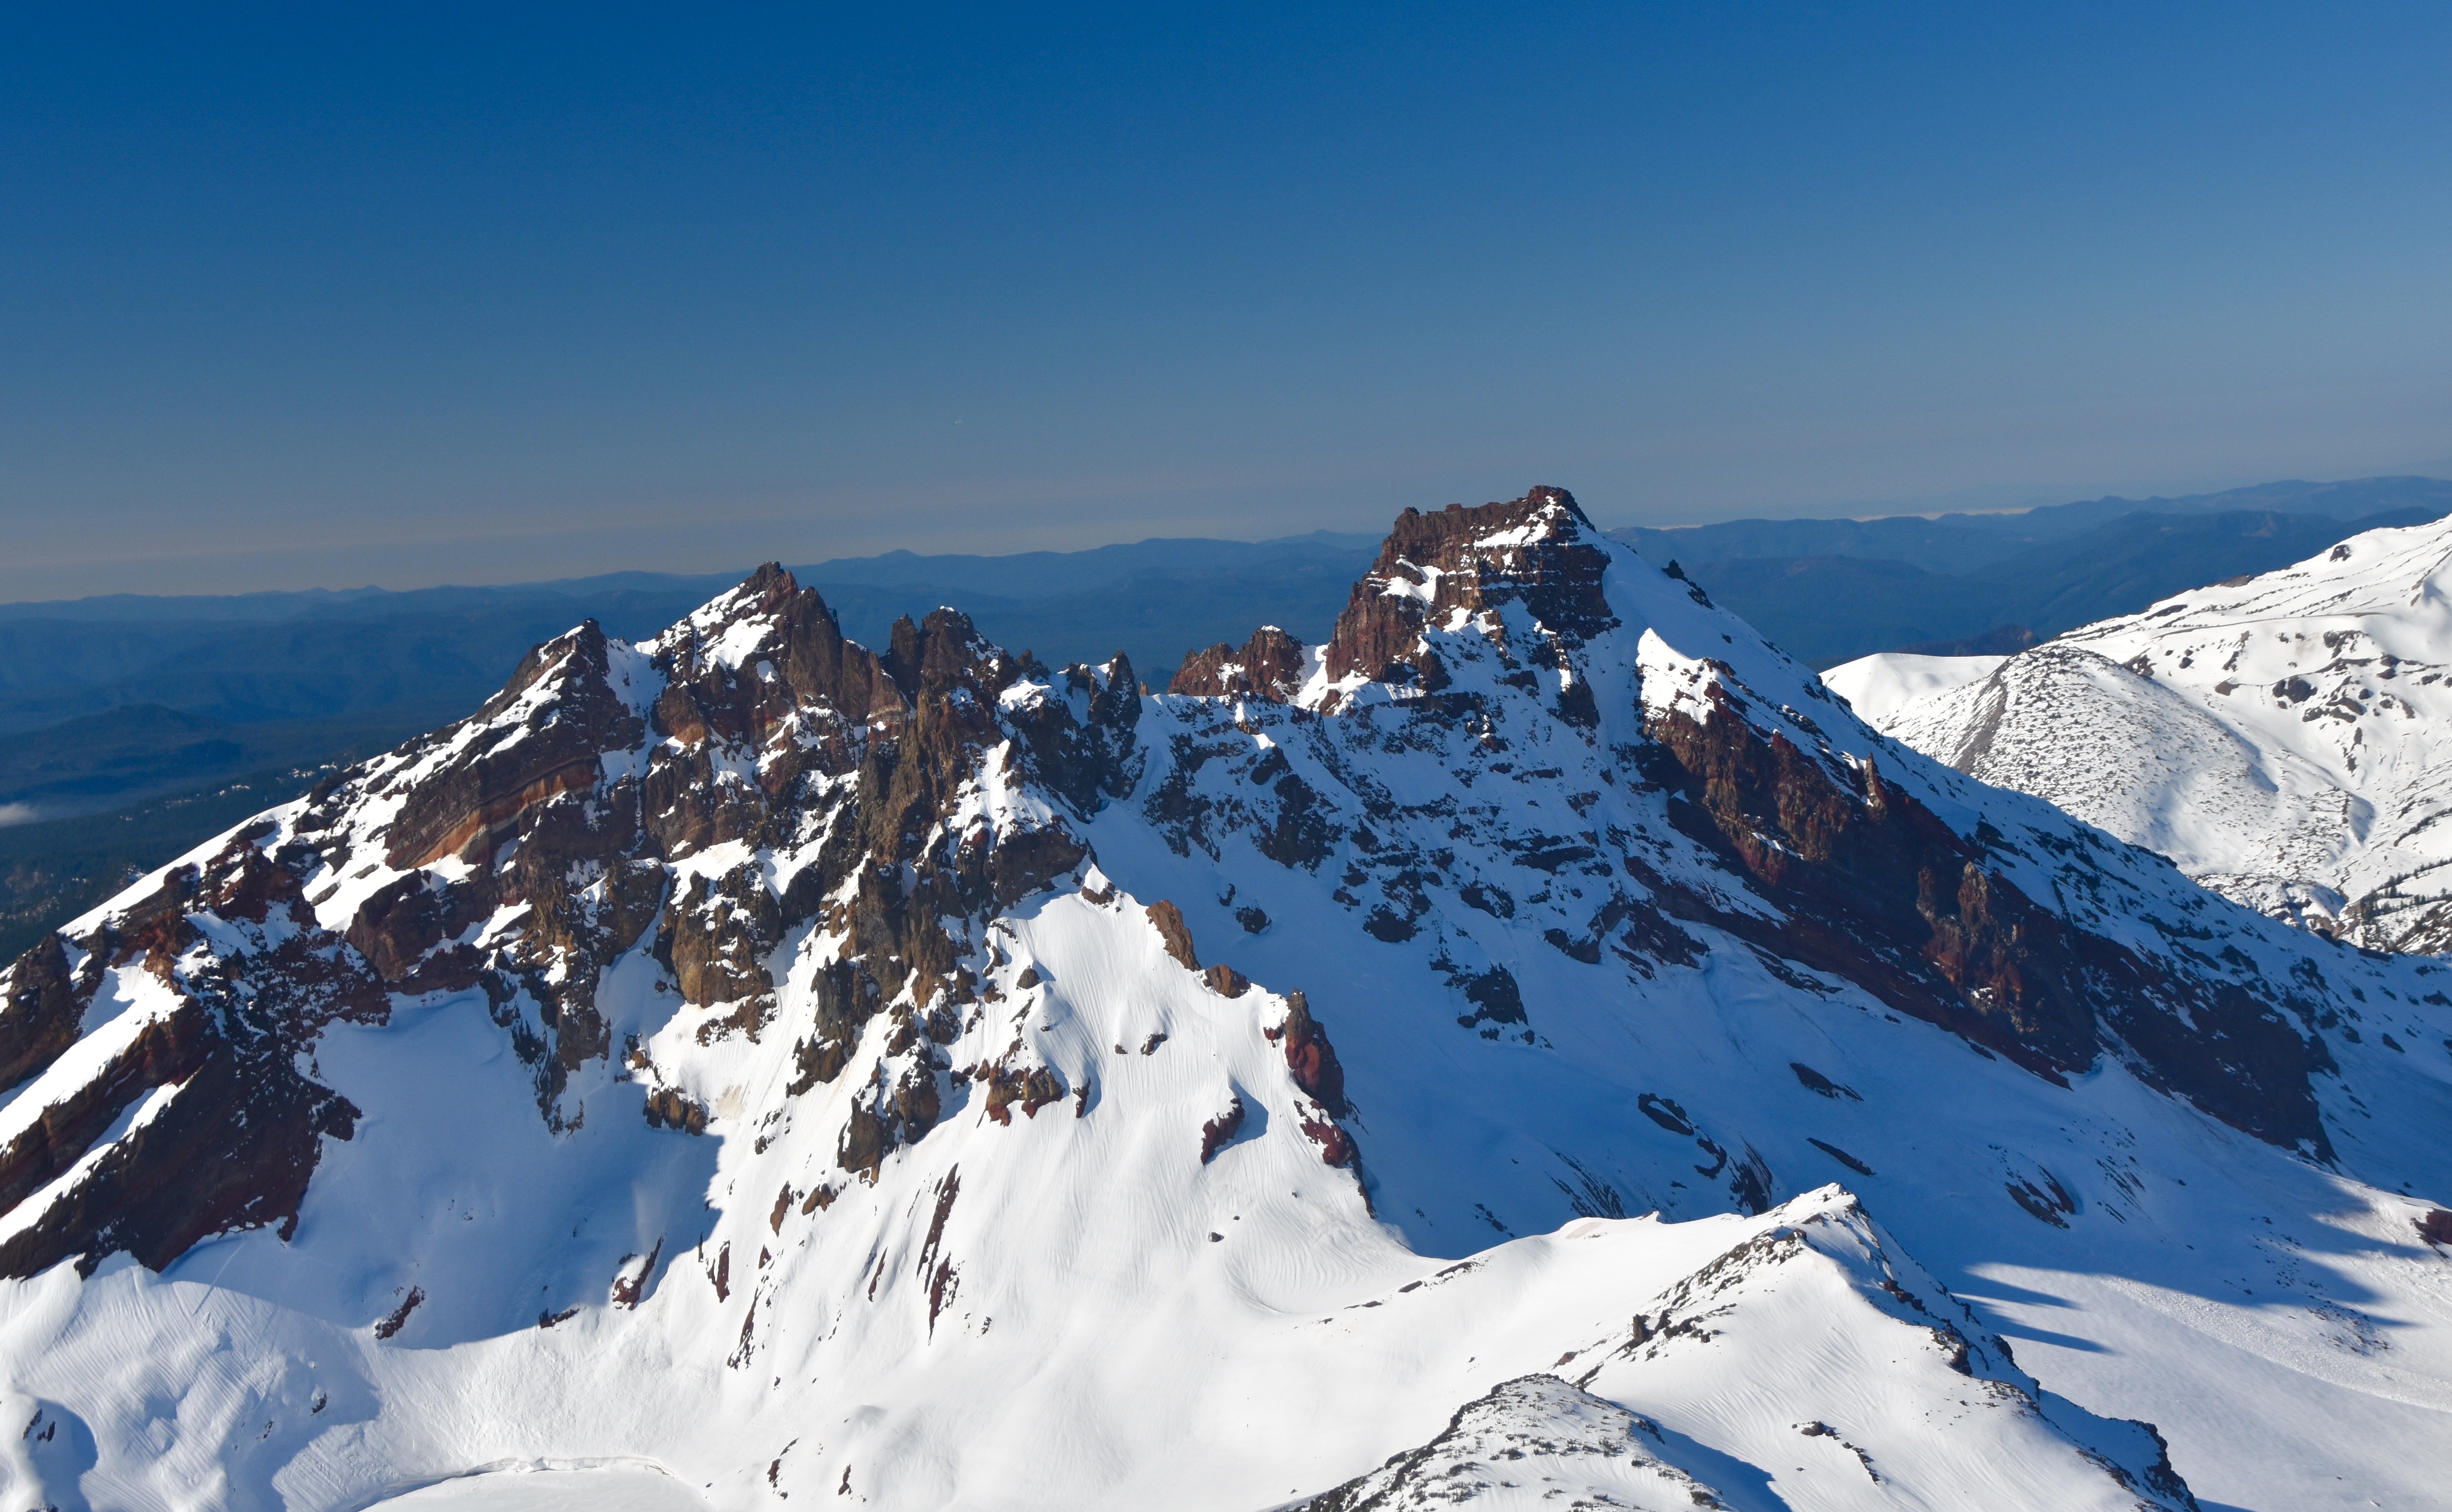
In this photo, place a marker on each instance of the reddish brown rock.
(1535, 551)
(1214, 1134)
(1271, 666)
(1878, 891)
(398, 927)
(630, 1288)
(714, 938)
(1034, 1088)
(947, 1191)
(668, 1107)
(1177, 935)
(815, 1061)
(1311, 1057)
(177, 1179)
(169, 1050)
(939, 1274)
(941, 1285)
(38, 1012)
(1336, 1149)
(876, 751)
(474, 798)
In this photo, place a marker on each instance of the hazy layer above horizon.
(1940, 539)
(495, 299)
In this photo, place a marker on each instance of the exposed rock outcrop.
(1271, 665)
(563, 807)
(221, 1058)
(1876, 890)
(1470, 567)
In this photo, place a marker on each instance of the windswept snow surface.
(1878, 687)
(606, 1489)
(2285, 739)
(1588, 1197)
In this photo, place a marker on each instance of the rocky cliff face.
(751, 1019)
(1876, 890)
(1534, 564)
(1271, 665)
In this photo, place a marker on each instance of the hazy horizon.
(320, 298)
(707, 560)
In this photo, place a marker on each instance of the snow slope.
(1877, 687)
(1541, 1021)
(2283, 739)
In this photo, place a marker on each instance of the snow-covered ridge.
(2281, 738)
(1878, 687)
(927, 1078)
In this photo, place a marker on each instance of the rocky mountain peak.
(806, 1023)
(1462, 566)
(746, 775)
(1272, 665)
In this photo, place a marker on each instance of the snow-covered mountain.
(1877, 688)
(2285, 739)
(1537, 1042)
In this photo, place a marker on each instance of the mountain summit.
(1539, 1036)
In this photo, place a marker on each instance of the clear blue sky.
(329, 296)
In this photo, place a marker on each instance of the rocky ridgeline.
(724, 1028)
(1865, 881)
(1564, 1437)
(1480, 727)
(1535, 1435)
(565, 803)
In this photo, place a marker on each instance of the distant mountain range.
(1828, 591)
(277, 655)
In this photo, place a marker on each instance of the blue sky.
(300, 297)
